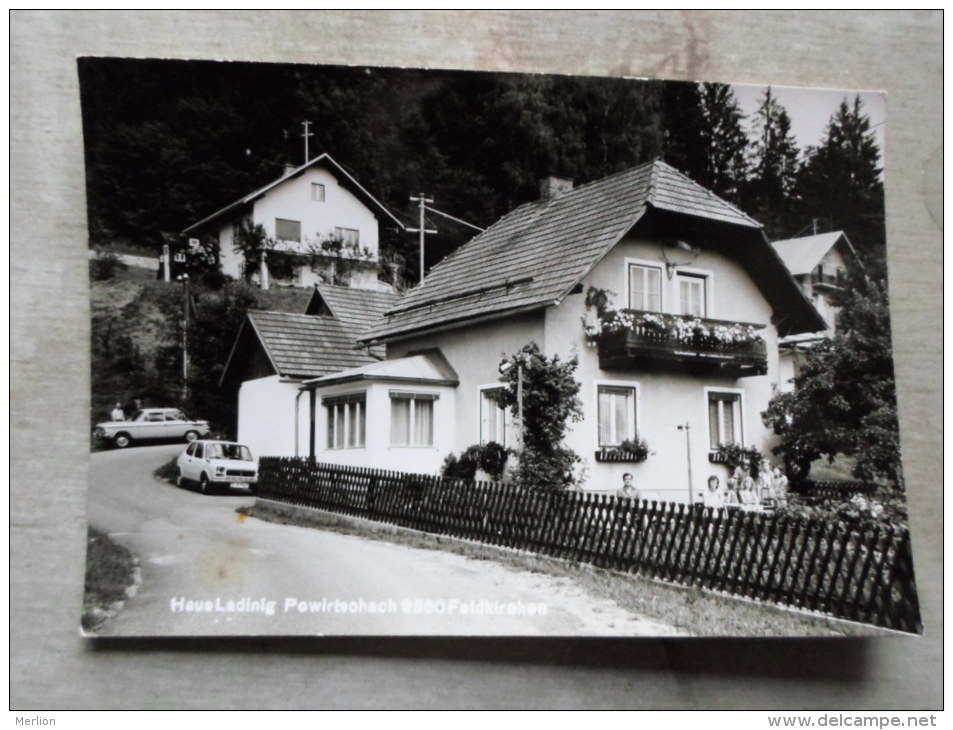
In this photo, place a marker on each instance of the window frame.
(500, 417)
(343, 402)
(412, 397)
(636, 413)
(737, 395)
(278, 235)
(644, 264)
(340, 231)
(708, 279)
(315, 186)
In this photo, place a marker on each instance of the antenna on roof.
(306, 134)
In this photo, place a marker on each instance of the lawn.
(110, 578)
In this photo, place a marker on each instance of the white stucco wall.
(266, 417)
(292, 200)
(475, 354)
(378, 452)
(665, 399)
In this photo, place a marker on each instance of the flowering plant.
(681, 328)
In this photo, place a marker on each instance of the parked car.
(151, 424)
(216, 465)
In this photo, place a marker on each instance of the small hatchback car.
(214, 465)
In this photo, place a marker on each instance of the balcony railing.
(697, 345)
(832, 281)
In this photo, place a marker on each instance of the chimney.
(552, 186)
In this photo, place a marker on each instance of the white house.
(314, 204)
(818, 264)
(706, 300)
(275, 352)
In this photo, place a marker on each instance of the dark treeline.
(169, 142)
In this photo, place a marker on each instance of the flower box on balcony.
(632, 339)
(620, 456)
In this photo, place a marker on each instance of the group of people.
(742, 491)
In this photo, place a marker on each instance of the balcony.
(827, 282)
(634, 340)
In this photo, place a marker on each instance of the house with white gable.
(687, 361)
(275, 352)
(317, 216)
(818, 264)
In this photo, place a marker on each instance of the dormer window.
(317, 192)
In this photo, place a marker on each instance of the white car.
(214, 465)
(151, 424)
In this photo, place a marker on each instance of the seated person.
(748, 495)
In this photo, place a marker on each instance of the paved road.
(208, 571)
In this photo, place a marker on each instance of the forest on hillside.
(169, 142)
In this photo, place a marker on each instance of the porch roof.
(423, 368)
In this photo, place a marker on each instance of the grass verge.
(690, 609)
(167, 472)
(111, 576)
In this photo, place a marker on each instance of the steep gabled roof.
(535, 255)
(323, 160)
(801, 255)
(298, 345)
(357, 309)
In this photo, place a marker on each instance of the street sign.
(179, 257)
(193, 243)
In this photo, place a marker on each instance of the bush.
(493, 459)
(490, 457)
(550, 402)
(884, 507)
(168, 471)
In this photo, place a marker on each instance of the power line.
(456, 220)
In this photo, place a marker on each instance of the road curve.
(208, 571)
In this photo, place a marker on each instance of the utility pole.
(422, 201)
(185, 336)
(688, 450)
(306, 134)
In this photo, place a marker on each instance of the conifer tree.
(725, 142)
(774, 167)
(839, 186)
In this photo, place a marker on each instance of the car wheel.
(204, 486)
(122, 440)
(191, 435)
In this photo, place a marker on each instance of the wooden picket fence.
(863, 574)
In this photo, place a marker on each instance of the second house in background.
(316, 219)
